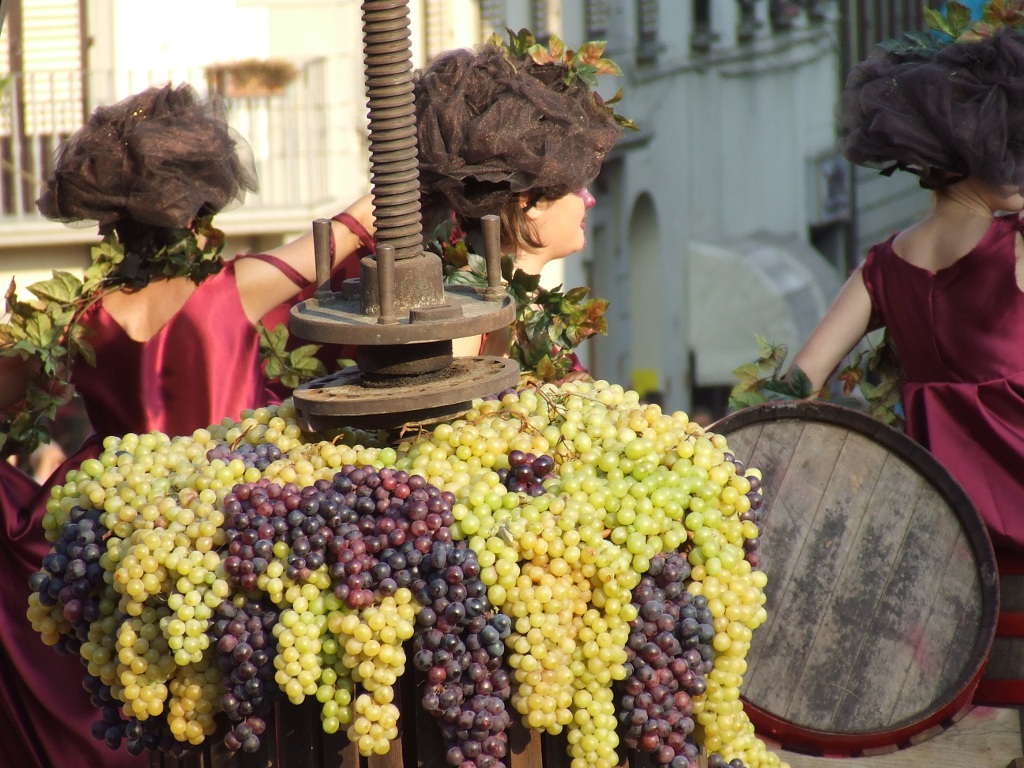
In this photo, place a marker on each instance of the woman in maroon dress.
(176, 348)
(948, 289)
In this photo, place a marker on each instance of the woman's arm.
(262, 286)
(843, 325)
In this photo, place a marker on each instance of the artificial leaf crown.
(585, 63)
(954, 25)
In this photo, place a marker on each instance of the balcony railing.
(287, 130)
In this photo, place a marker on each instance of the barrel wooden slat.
(930, 657)
(955, 619)
(819, 633)
(881, 582)
(795, 596)
(885, 487)
(897, 631)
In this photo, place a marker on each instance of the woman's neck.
(967, 198)
(530, 262)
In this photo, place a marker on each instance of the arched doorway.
(645, 329)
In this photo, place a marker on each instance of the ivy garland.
(873, 373)
(549, 324)
(954, 24)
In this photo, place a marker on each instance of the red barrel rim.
(946, 711)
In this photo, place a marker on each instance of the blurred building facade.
(730, 214)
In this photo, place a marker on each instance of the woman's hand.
(262, 286)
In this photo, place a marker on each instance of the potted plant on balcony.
(250, 77)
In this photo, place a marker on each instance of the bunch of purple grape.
(396, 519)
(669, 653)
(715, 760)
(400, 538)
(526, 472)
(153, 734)
(752, 547)
(460, 647)
(261, 455)
(246, 648)
(72, 576)
(259, 515)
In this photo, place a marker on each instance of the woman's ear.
(530, 204)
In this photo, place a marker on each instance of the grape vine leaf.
(953, 23)
(1004, 13)
(291, 367)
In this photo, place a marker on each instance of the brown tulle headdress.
(498, 121)
(162, 158)
(944, 107)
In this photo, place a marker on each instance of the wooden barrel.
(882, 585)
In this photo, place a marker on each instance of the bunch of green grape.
(565, 493)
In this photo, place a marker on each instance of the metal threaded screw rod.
(398, 313)
(392, 114)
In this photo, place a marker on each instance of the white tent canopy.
(764, 285)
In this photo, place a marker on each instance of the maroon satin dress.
(960, 336)
(202, 366)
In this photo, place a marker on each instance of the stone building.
(730, 214)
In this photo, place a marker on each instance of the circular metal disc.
(343, 399)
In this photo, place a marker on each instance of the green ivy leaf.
(520, 43)
(745, 399)
(63, 288)
(85, 349)
(547, 370)
(525, 281)
(587, 73)
(556, 48)
(935, 19)
(39, 329)
(574, 296)
(959, 16)
(799, 383)
(457, 255)
(771, 356)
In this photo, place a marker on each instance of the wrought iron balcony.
(286, 127)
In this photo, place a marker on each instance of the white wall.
(726, 138)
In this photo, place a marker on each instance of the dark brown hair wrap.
(958, 112)
(159, 158)
(490, 127)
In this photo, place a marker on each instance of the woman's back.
(938, 242)
(958, 331)
(198, 366)
(956, 318)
